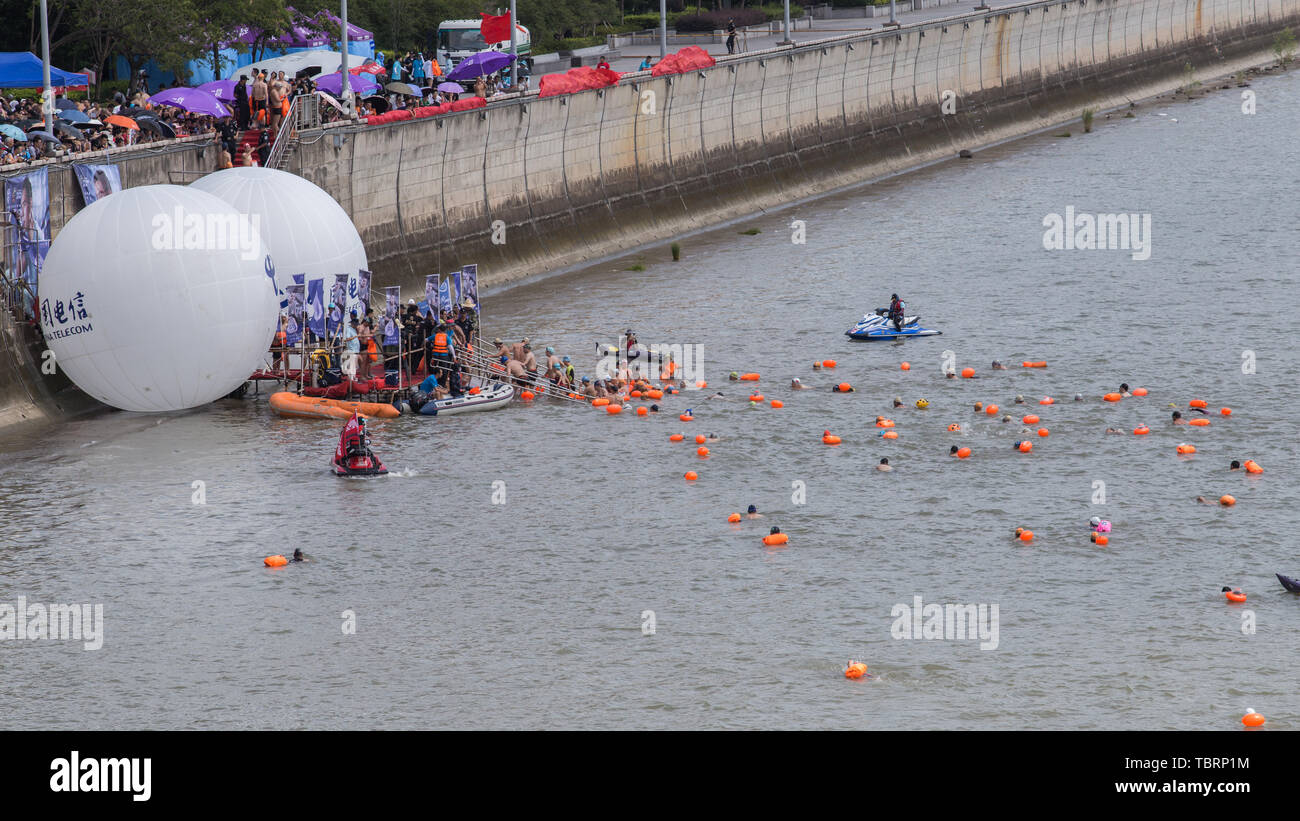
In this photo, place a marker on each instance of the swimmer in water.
(898, 401)
(950, 375)
(1123, 389)
(817, 366)
(1178, 419)
(654, 408)
(297, 555)
(753, 513)
(712, 437)
(1008, 419)
(979, 406)
(1114, 430)
(1203, 501)
(774, 531)
(952, 451)
(796, 385)
(1235, 465)
(733, 376)
(1020, 400)
(1094, 522)
(884, 464)
(1078, 397)
(717, 395)
(998, 366)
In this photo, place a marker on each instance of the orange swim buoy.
(686, 418)
(1025, 535)
(613, 409)
(699, 438)
(991, 410)
(1112, 397)
(844, 387)
(1047, 400)
(829, 438)
(1030, 420)
(1199, 423)
(1252, 719)
(1252, 466)
(1139, 391)
(1225, 411)
(700, 383)
(889, 434)
(1043, 432)
(1141, 430)
(636, 394)
(702, 451)
(1101, 539)
(856, 670)
(906, 366)
(777, 403)
(275, 561)
(756, 397)
(676, 437)
(1227, 501)
(773, 539)
(828, 363)
(691, 476)
(599, 403)
(1196, 403)
(655, 393)
(967, 373)
(642, 411)
(954, 428)
(1186, 449)
(733, 518)
(749, 377)
(1025, 447)
(1234, 594)
(963, 453)
(527, 396)
(882, 422)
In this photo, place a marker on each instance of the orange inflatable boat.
(287, 403)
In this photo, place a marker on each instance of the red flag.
(495, 29)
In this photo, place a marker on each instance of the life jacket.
(440, 343)
(281, 339)
(896, 307)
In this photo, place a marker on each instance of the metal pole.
(346, 87)
(787, 22)
(514, 51)
(663, 29)
(893, 21)
(47, 104)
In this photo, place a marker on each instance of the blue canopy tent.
(22, 69)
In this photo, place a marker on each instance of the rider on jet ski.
(896, 308)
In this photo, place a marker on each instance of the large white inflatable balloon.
(305, 230)
(158, 298)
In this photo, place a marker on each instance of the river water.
(531, 613)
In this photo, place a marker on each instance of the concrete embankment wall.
(588, 175)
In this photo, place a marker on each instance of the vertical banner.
(363, 292)
(27, 199)
(469, 278)
(339, 299)
(392, 329)
(456, 292)
(316, 306)
(97, 181)
(430, 296)
(444, 295)
(297, 305)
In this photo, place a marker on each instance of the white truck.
(458, 39)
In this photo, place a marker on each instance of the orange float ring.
(1186, 449)
(829, 438)
(676, 437)
(1112, 397)
(1025, 535)
(1197, 403)
(1199, 423)
(527, 396)
(699, 438)
(882, 422)
(275, 561)
(655, 393)
(991, 410)
(1225, 411)
(1043, 432)
(613, 409)
(749, 377)
(599, 403)
(700, 383)
(1252, 466)
(1252, 719)
(686, 418)
(1141, 430)
(963, 453)
(773, 539)
(906, 366)
(889, 434)
(844, 387)
(756, 397)
(1227, 501)
(1234, 595)
(828, 363)
(1039, 364)
(636, 394)
(855, 670)
(1047, 400)
(954, 428)
(967, 373)
(642, 411)
(691, 476)
(733, 518)
(702, 451)
(1101, 539)
(777, 403)
(1139, 391)
(1030, 420)
(1025, 447)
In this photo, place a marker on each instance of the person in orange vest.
(442, 356)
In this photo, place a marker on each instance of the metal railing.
(304, 112)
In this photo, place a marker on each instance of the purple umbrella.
(451, 88)
(223, 90)
(333, 83)
(191, 99)
(480, 64)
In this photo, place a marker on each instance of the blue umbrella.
(44, 135)
(13, 131)
(451, 88)
(480, 64)
(72, 115)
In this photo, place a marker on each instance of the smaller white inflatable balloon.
(158, 298)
